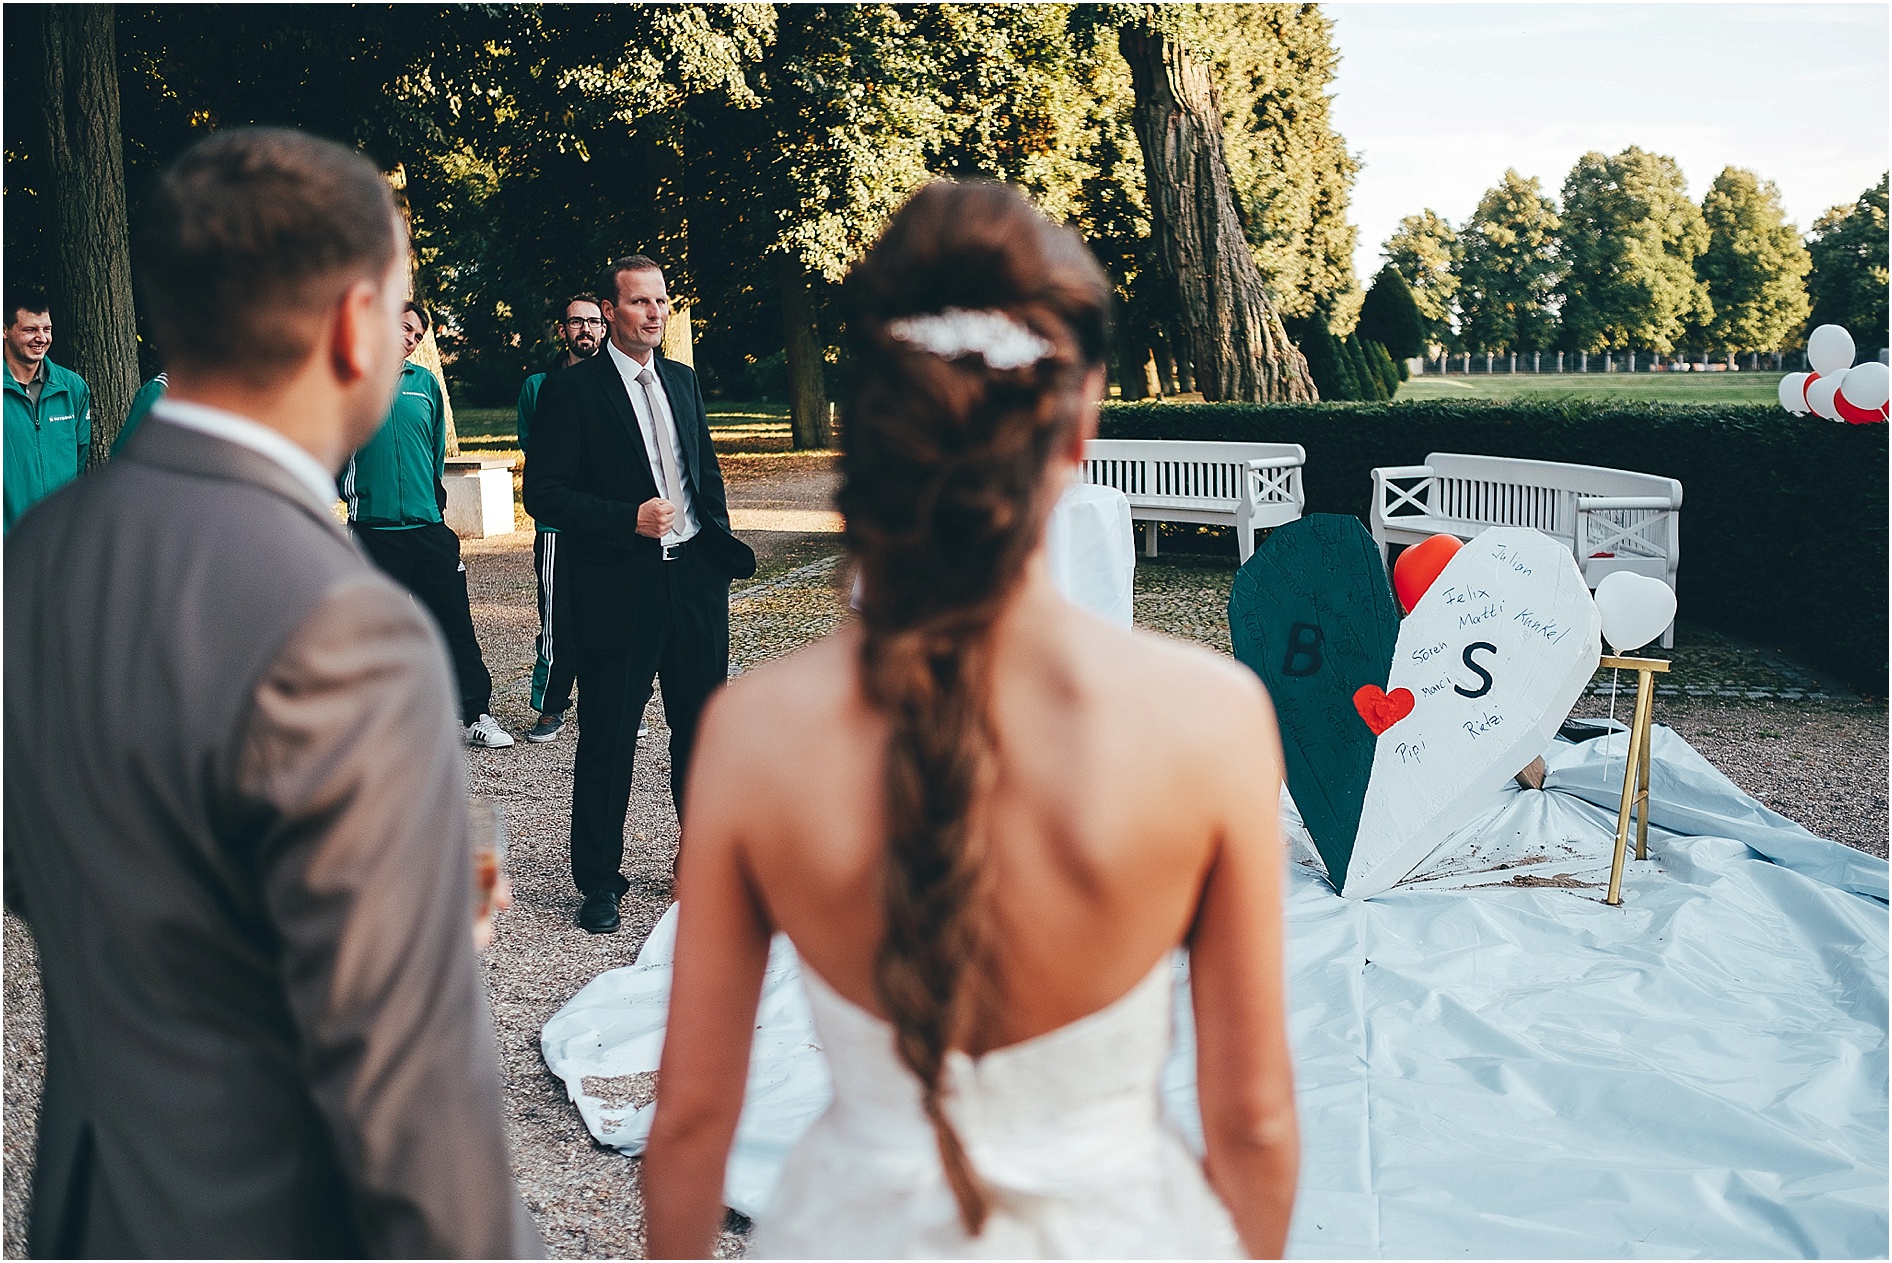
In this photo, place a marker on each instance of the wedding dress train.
(1065, 1131)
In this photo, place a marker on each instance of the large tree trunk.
(93, 317)
(1236, 345)
(807, 393)
(679, 341)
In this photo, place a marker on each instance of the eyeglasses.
(579, 322)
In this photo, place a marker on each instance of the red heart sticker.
(1381, 709)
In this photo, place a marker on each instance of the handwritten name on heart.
(1495, 654)
(1381, 709)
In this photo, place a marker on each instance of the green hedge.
(1783, 527)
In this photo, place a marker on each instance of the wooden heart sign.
(1495, 655)
(1312, 614)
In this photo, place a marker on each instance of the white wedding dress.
(1065, 1130)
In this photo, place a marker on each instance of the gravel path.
(1822, 763)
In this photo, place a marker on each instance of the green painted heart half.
(1312, 614)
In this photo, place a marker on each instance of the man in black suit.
(621, 464)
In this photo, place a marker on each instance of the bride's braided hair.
(944, 453)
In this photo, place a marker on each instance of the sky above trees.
(1438, 100)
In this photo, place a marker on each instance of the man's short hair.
(608, 279)
(26, 298)
(426, 320)
(584, 298)
(249, 240)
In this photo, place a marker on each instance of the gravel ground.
(1822, 763)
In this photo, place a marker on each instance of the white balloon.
(1820, 396)
(1830, 350)
(1867, 386)
(1793, 393)
(1635, 609)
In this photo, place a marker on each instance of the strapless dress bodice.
(1065, 1131)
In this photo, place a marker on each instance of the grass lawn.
(762, 418)
(1732, 388)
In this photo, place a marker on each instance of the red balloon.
(1419, 565)
(1811, 378)
(1849, 411)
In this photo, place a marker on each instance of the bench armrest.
(1388, 500)
(1593, 504)
(1277, 462)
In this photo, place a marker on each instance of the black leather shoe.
(599, 913)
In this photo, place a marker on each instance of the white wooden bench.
(1249, 486)
(1611, 519)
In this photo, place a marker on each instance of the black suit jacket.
(587, 473)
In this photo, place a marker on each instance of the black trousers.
(556, 668)
(426, 560)
(681, 637)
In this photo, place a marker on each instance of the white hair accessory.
(1002, 342)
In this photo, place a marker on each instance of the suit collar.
(671, 377)
(611, 381)
(675, 388)
(169, 446)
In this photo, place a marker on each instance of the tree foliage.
(1291, 171)
(1390, 316)
(1508, 269)
(755, 149)
(1754, 268)
(1424, 251)
(1631, 236)
(1848, 281)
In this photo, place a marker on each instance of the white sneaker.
(485, 731)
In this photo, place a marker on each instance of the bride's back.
(980, 813)
(1112, 756)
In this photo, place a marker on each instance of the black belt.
(675, 552)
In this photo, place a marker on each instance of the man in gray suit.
(235, 795)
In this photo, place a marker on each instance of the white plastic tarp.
(1490, 1062)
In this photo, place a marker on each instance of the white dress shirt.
(664, 424)
(259, 438)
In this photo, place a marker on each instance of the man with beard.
(556, 668)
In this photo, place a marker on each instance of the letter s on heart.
(1483, 674)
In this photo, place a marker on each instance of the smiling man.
(621, 465)
(48, 408)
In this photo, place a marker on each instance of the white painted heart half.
(1495, 655)
(1636, 608)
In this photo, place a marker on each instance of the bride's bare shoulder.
(1202, 689)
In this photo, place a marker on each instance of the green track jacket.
(394, 480)
(45, 442)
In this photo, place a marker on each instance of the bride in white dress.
(986, 819)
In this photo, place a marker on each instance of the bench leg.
(1668, 635)
(1149, 538)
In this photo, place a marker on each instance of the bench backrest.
(1175, 470)
(1541, 494)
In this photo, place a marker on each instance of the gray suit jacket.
(235, 820)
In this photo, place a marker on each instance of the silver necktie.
(666, 460)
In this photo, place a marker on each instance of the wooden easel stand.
(1636, 771)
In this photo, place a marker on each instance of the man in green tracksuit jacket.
(395, 496)
(48, 409)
